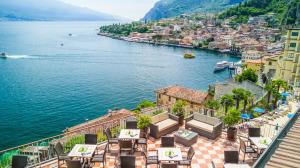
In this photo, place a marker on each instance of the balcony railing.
(42, 151)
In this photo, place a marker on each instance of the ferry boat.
(221, 66)
(3, 55)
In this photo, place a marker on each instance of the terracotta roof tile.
(183, 93)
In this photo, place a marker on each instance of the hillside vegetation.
(172, 8)
(287, 12)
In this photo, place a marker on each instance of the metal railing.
(42, 151)
(265, 157)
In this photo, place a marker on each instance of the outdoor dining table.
(169, 154)
(83, 151)
(232, 165)
(261, 142)
(129, 134)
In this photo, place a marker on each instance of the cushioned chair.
(19, 161)
(110, 139)
(167, 141)
(91, 139)
(163, 124)
(187, 160)
(231, 156)
(206, 126)
(61, 155)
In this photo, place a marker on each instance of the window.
(292, 44)
(159, 96)
(295, 33)
(270, 63)
(169, 98)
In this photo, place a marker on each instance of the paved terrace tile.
(206, 150)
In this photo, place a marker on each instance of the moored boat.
(3, 55)
(221, 66)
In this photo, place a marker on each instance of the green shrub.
(144, 121)
(157, 112)
(232, 117)
(6, 158)
(145, 104)
(79, 139)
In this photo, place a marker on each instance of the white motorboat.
(3, 55)
(221, 66)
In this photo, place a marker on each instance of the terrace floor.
(206, 151)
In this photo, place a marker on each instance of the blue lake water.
(46, 87)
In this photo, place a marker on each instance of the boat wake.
(19, 56)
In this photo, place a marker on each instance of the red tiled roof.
(187, 94)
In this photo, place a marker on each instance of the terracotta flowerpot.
(231, 133)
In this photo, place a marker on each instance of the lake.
(52, 80)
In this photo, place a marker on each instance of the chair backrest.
(127, 161)
(231, 156)
(213, 165)
(169, 165)
(59, 149)
(19, 161)
(125, 144)
(131, 124)
(191, 153)
(73, 164)
(108, 133)
(167, 141)
(91, 139)
(242, 145)
(254, 132)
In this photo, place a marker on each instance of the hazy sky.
(132, 9)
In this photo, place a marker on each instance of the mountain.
(47, 10)
(287, 12)
(171, 8)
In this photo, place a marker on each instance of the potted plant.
(144, 122)
(231, 119)
(178, 110)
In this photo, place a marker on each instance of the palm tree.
(212, 104)
(279, 83)
(227, 101)
(238, 95)
(277, 96)
(247, 96)
(269, 89)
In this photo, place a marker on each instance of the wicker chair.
(127, 161)
(254, 132)
(126, 146)
(19, 161)
(131, 123)
(100, 158)
(74, 164)
(91, 139)
(110, 139)
(142, 141)
(246, 149)
(150, 159)
(187, 161)
(61, 155)
(167, 141)
(231, 156)
(169, 165)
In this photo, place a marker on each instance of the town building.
(251, 55)
(169, 95)
(288, 67)
(256, 65)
